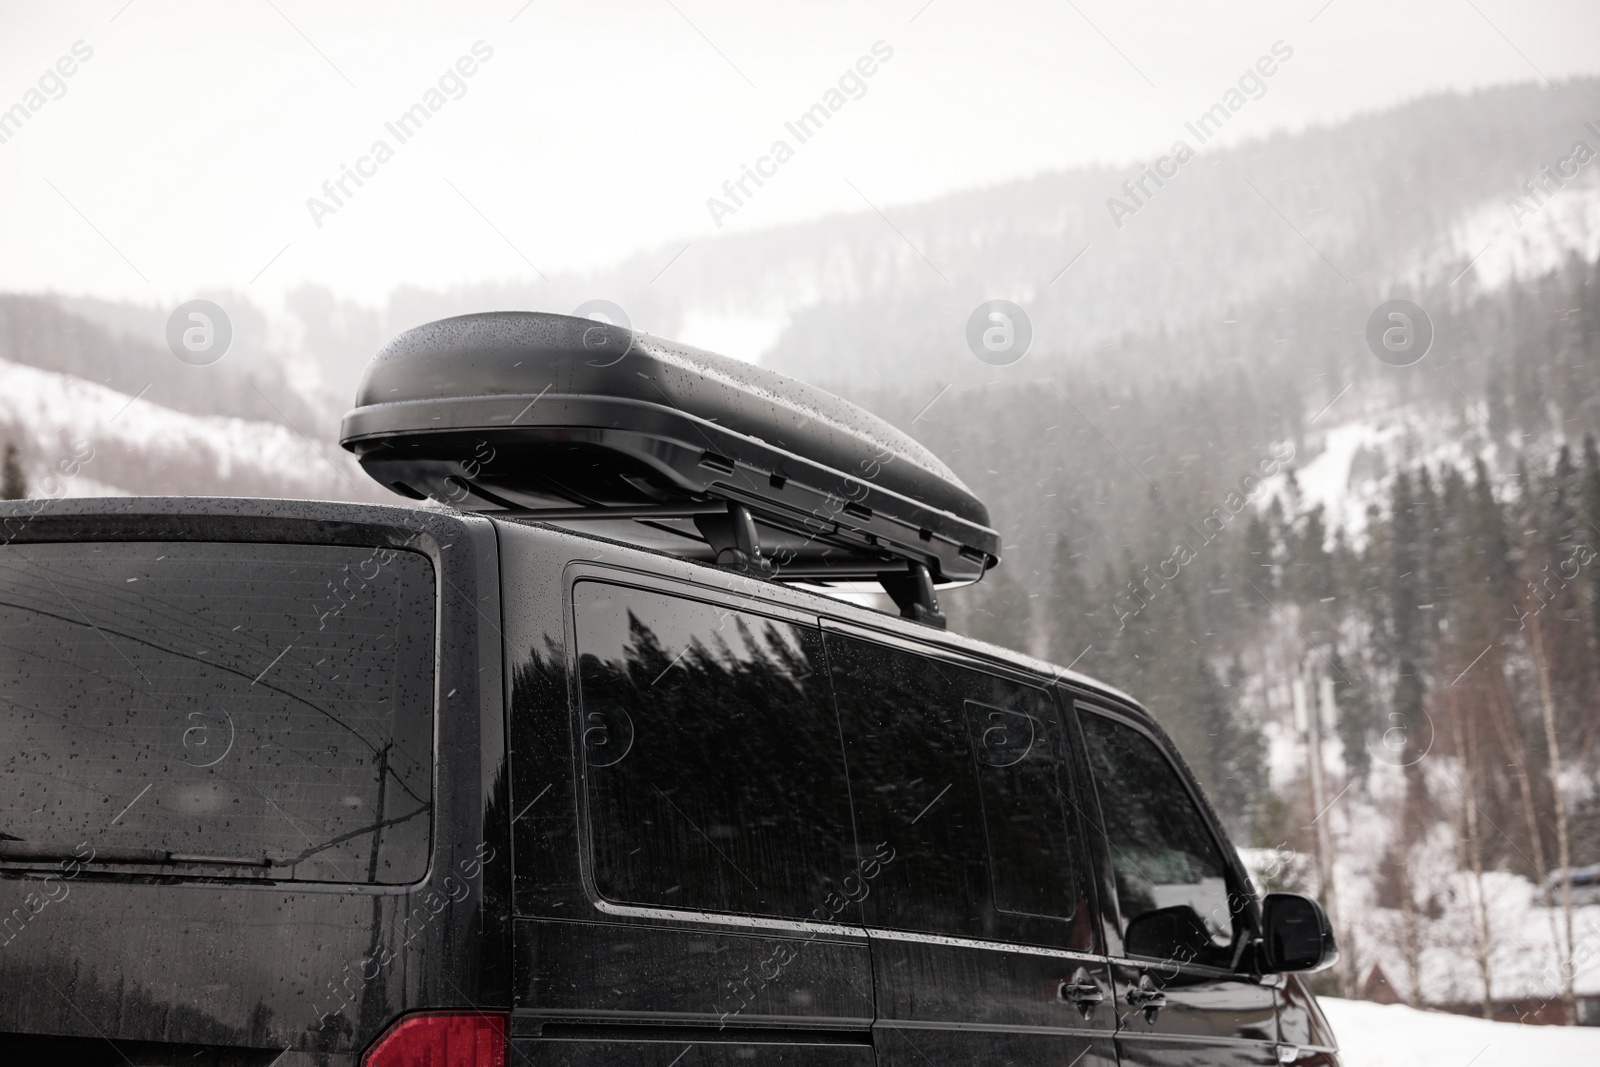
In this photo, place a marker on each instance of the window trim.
(1027, 948)
(935, 649)
(729, 918)
(829, 616)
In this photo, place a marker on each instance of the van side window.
(956, 774)
(712, 764)
(1172, 883)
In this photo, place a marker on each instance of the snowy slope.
(1507, 245)
(1349, 464)
(80, 438)
(1522, 926)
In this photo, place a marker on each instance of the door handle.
(1082, 992)
(1147, 998)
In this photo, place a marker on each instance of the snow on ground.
(1505, 246)
(1390, 1035)
(1331, 479)
(1523, 928)
(1350, 462)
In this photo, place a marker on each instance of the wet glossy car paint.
(147, 969)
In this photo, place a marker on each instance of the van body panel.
(706, 978)
(956, 995)
(969, 1002)
(574, 1047)
(1229, 1015)
(1300, 1019)
(995, 985)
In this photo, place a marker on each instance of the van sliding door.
(717, 858)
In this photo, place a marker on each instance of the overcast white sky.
(182, 154)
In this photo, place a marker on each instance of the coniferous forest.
(1428, 621)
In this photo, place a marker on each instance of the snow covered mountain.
(82, 438)
(1384, 200)
(1287, 240)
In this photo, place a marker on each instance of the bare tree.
(1569, 998)
(1469, 846)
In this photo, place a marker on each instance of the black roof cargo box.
(581, 423)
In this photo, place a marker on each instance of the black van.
(588, 768)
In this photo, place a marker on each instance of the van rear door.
(220, 770)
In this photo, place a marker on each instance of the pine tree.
(1355, 723)
(1589, 538)
(1406, 736)
(1311, 574)
(1072, 617)
(1229, 756)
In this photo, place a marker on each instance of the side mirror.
(1295, 935)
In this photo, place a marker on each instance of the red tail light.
(441, 1039)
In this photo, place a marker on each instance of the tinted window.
(220, 700)
(957, 772)
(713, 769)
(1163, 853)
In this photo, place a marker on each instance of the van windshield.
(170, 703)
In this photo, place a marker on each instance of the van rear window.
(218, 709)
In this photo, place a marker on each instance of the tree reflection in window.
(713, 769)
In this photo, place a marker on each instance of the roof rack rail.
(580, 423)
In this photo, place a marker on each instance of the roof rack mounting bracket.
(732, 535)
(912, 592)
